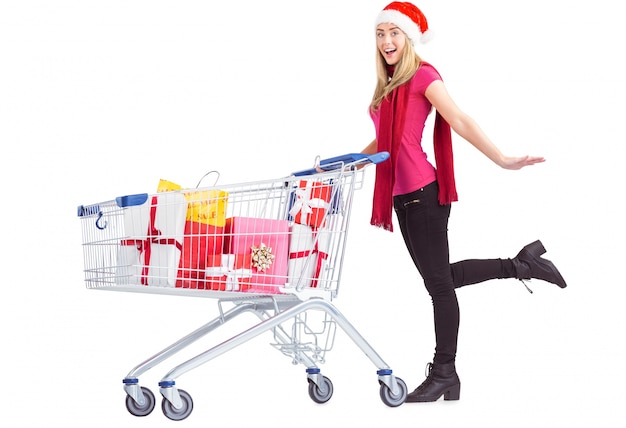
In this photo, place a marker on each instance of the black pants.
(424, 226)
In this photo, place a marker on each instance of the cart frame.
(274, 311)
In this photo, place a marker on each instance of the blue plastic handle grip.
(336, 162)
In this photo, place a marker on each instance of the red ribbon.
(145, 246)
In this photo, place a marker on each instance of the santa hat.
(408, 18)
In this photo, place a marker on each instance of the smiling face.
(390, 40)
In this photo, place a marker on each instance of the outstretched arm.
(467, 128)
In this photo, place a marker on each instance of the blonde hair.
(405, 69)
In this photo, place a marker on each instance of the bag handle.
(206, 175)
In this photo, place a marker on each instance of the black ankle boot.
(441, 380)
(528, 264)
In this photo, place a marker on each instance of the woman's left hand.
(515, 163)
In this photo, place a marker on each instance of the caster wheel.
(178, 414)
(144, 409)
(389, 398)
(317, 395)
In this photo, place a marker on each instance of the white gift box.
(308, 255)
(150, 253)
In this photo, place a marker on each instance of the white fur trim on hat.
(406, 24)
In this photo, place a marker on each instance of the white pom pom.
(427, 36)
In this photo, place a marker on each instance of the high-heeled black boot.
(441, 380)
(528, 264)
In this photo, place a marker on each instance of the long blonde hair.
(404, 71)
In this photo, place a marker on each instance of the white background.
(102, 99)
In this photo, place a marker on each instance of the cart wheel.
(316, 394)
(390, 399)
(141, 410)
(178, 414)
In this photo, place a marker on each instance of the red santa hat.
(408, 18)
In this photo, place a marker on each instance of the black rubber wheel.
(141, 410)
(389, 398)
(316, 394)
(178, 414)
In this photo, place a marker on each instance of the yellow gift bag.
(205, 206)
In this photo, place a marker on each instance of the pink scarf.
(392, 115)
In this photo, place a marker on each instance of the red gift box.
(229, 272)
(201, 241)
(267, 241)
(312, 201)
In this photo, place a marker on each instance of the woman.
(407, 90)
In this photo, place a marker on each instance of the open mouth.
(390, 51)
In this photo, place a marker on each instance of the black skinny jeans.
(424, 226)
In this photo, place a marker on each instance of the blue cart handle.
(347, 160)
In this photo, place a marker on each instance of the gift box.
(267, 241)
(310, 203)
(308, 255)
(201, 241)
(229, 272)
(150, 253)
(206, 206)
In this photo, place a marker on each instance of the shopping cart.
(272, 248)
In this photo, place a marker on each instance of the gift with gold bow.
(267, 243)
